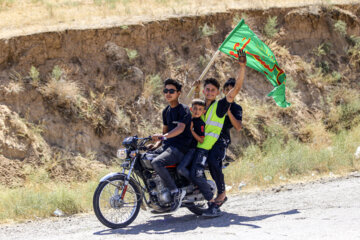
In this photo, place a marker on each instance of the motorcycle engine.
(160, 191)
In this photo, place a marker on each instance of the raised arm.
(239, 79)
(193, 93)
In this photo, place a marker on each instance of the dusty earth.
(104, 95)
(325, 209)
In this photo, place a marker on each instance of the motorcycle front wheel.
(113, 211)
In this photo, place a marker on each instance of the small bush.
(207, 31)
(319, 51)
(122, 120)
(153, 86)
(34, 75)
(270, 27)
(325, 66)
(340, 27)
(290, 83)
(56, 73)
(61, 89)
(14, 88)
(203, 61)
(132, 53)
(354, 52)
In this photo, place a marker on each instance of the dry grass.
(153, 87)
(60, 88)
(278, 161)
(18, 18)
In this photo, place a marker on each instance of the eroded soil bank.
(93, 89)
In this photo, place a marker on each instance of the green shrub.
(34, 75)
(207, 31)
(132, 53)
(340, 27)
(319, 51)
(270, 27)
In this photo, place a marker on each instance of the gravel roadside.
(325, 209)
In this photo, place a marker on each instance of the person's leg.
(182, 168)
(215, 158)
(170, 156)
(198, 175)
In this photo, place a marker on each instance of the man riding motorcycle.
(177, 138)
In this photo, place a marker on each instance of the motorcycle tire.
(100, 214)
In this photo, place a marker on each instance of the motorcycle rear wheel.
(110, 209)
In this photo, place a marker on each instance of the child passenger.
(197, 128)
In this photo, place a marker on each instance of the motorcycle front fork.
(127, 179)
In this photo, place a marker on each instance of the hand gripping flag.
(259, 57)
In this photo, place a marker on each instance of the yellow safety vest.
(213, 127)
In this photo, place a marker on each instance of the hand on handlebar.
(158, 137)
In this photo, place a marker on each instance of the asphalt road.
(326, 209)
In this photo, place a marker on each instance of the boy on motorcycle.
(214, 119)
(197, 129)
(177, 138)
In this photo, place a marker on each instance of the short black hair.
(170, 81)
(198, 102)
(212, 81)
(230, 82)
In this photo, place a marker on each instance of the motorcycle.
(119, 196)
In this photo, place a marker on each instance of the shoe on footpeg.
(212, 211)
(177, 199)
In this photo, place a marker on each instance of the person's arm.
(165, 129)
(176, 131)
(239, 79)
(173, 133)
(193, 93)
(197, 137)
(186, 118)
(235, 122)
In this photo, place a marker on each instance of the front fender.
(110, 175)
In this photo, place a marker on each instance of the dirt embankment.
(89, 88)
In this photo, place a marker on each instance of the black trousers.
(186, 163)
(197, 173)
(170, 156)
(215, 158)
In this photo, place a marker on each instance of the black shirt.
(222, 108)
(236, 110)
(199, 129)
(171, 118)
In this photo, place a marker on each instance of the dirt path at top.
(318, 210)
(21, 20)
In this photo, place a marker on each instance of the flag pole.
(209, 65)
(189, 96)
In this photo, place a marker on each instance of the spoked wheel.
(110, 208)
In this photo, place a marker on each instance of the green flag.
(259, 57)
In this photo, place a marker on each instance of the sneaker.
(212, 211)
(177, 199)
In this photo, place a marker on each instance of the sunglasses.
(171, 91)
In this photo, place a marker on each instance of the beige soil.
(39, 124)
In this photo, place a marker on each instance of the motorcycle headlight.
(121, 153)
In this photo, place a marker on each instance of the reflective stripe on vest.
(213, 127)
